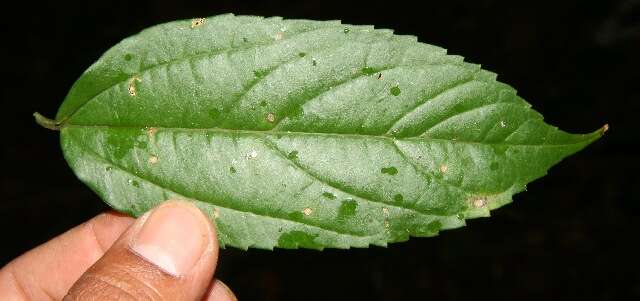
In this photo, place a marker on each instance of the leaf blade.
(258, 137)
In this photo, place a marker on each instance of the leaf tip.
(604, 129)
(46, 122)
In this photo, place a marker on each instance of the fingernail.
(221, 292)
(173, 237)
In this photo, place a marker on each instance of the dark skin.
(113, 256)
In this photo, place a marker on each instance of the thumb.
(169, 253)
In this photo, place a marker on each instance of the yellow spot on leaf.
(307, 211)
(151, 131)
(479, 203)
(271, 117)
(153, 159)
(132, 85)
(443, 168)
(197, 22)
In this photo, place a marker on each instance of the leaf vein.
(336, 186)
(206, 55)
(421, 170)
(426, 100)
(186, 196)
(459, 114)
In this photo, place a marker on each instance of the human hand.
(169, 253)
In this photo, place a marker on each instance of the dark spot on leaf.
(398, 198)
(128, 57)
(108, 168)
(302, 54)
(296, 216)
(329, 195)
(134, 183)
(295, 239)
(120, 144)
(347, 208)
(379, 75)
(293, 155)
(245, 40)
(232, 169)
(141, 144)
(260, 73)
(214, 113)
(499, 149)
(368, 70)
(427, 230)
(313, 62)
(434, 226)
(296, 113)
(395, 91)
(346, 30)
(389, 170)
(263, 103)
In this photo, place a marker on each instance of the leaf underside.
(303, 134)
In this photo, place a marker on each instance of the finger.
(49, 270)
(169, 253)
(218, 291)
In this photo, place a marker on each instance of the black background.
(573, 234)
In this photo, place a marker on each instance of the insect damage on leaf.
(197, 22)
(303, 134)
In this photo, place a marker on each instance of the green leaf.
(302, 134)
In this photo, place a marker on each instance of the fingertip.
(219, 291)
(170, 251)
(108, 226)
(175, 237)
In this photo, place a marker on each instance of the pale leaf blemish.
(479, 202)
(197, 22)
(279, 35)
(380, 77)
(444, 168)
(252, 154)
(153, 159)
(385, 210)
(216, 213)
(132, 85)
(503, 124)
(271, 117)
(307, 211)
(151, 131)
